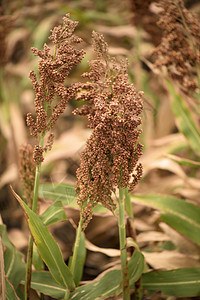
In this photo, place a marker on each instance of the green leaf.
(53, 214)
(179, 282)
(128, 204)
(184, 161)
(10, 291)
(135, 266)
(179, 214)
(47, 247)
(65, 192)
(37, 260)
(2, 273)
(43, 282)
(185, 120)
(193, 232)
(105, 286)
(110, 283)
(81, 255)
(14, 267)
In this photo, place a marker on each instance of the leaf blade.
(81, 255)
(185, 120)
(53, 214)
(110, 283)
(47, 247)
(64, 192)
(180, 282)
(13, 264)
(10, 291)
(183, 213)
(43, 282)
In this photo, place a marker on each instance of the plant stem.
(76, 246)
(28, 270)
(132, 233)
(30, 247)
(123, 255)
(128, 204)
(138, 289)
(75, 252)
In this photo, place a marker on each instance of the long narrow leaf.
(135, 266)
(65, 192)
(105, 286)
(13, 264)
(43, 282)
(179, 214)
(78, 271)
(47, 247)
(53, 214)
(10, 291)
(110, 283)
(37, 260)
(185, 120)
(184, 161)
(179, 282)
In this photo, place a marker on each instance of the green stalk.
(30, 247)
(129, 210)
(75, 253)
(28, 270)
(76, 246)
(123, 252)
(128, 204)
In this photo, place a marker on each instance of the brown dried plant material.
(27, 171)
(53, 70)
(112, 151)
(178, 52)
(144, 17)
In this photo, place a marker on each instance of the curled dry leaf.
(189, 193)
(142, 225)
(170, 260)
(158, 148)
(152, 236)
(167, 164)
(106, 251)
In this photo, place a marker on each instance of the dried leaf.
(106, 251)
(170, 260)
(152, 236)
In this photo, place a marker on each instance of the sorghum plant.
(178, 59)
(109, 162)
(178, 52)
(51, 98)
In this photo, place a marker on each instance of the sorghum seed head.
(112, 151)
